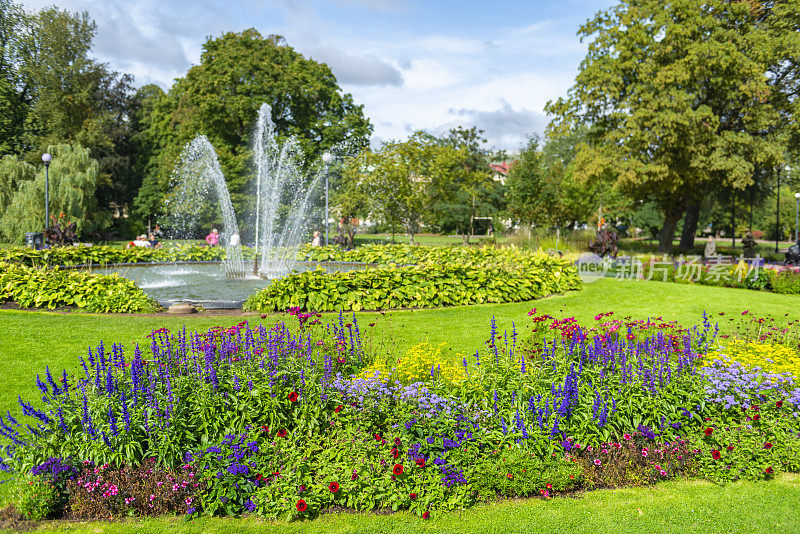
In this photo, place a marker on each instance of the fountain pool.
(205, 283)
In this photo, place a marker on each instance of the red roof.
(502, 167)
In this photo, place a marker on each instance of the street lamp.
(46, 159)
(327, 158)
(796, 220)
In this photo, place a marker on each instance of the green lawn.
(686, 507)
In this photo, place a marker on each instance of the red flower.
(397, 469)
(334, 487)
(395, 452)
(756, 417)
(398, 443)
(338, 409)
(716, 454)
(548, 486)
(426, 515)
(301, 505)
(708, 431)
(768, 470)
(754, 407)
(729, 447)
(282, 433)
(420, 462)
(354, 476)
(264, 428)
(377, 437)
(779, 404)
(413, 496)
(509, 476)
(293, 396)
(259, 477)
(768, 445)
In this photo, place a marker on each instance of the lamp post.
(46, 159)
(796, 213)
(327, 158)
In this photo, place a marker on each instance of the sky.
(413, 64)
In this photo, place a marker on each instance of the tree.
(525, 182)
(13, 172)
(73, 181)
(678, 100)
(221, 96)
(52, 92)
(13, 105)
(455, 203)
(395, 183)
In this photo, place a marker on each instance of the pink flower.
(598, 463)
(627, 437)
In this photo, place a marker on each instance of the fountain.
(283, 193)
(280, 184)
(282, 199)
(200, 176)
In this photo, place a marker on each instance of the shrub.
(515, 472)
(632, 460)
(106, 492)
(284, 423)
(35, 497)
(753, 443)
(785, 280)
(32, 287)
(419, 286)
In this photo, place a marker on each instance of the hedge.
(36, 287)
(413, 287)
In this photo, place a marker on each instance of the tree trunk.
(690, 226)
(465, 238)
(671, 218)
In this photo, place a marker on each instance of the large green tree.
(455, 203)
(679, 100)
(396, 183)
(52, 91)
(13, 106)
(221, 96)
(73, 181)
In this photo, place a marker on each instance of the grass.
(423, 239)
(685, 506)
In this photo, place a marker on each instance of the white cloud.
(465, 71)
(358, 69)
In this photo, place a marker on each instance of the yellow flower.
(420, 363)
(770, 357)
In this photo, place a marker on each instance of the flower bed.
(288, 421)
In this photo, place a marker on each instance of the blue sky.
(413, 64)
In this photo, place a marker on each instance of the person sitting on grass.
(154, 242)
(140, 241)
